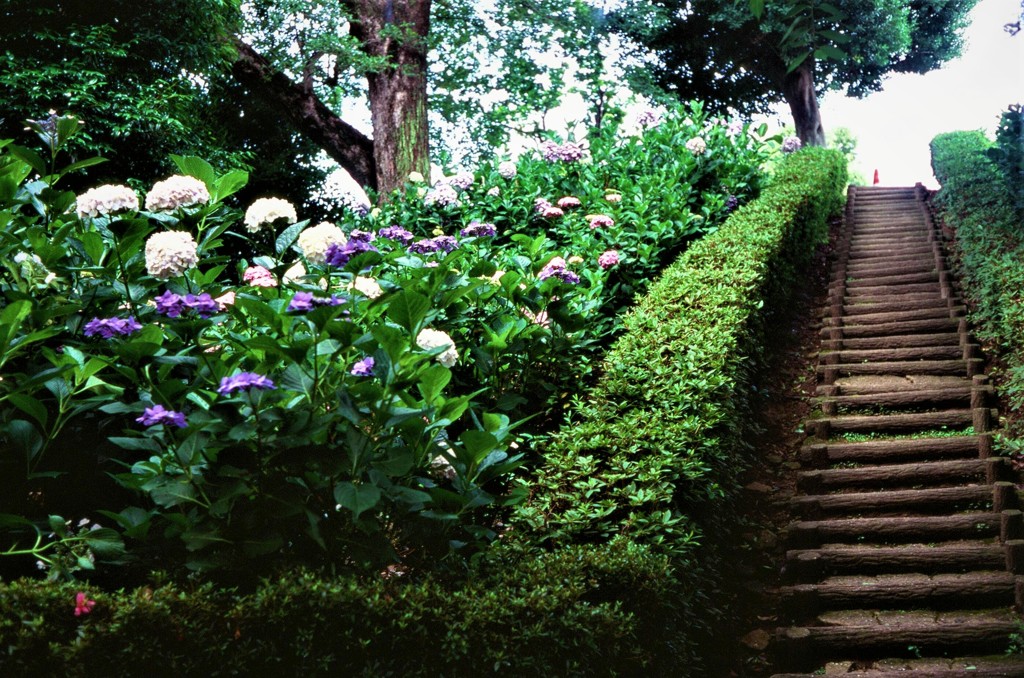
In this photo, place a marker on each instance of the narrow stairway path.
(907, 547)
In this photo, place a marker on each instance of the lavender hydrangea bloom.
(339, 255)
(396, 233)
(731, 203)
(461, 181)
(244, 381)
(791, 144)
(442, 243)
(363, 368)
(169, 304)
(475, 229)
(158, 414)
(442, 194)
(361, 236)
(446, 243)
(111, 327)
(567, 152)
(203, 304)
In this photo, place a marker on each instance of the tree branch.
(349, 147)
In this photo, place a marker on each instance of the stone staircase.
(908, 549)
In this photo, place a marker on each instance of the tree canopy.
(721, 52)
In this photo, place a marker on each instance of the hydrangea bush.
(346, 395)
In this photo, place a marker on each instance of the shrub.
(974, 200)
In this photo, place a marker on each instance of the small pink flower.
(552, 212)
(608, 259)
(598, 220)
(83, 605)
(259, 276)
(568, 202)
(225, 300)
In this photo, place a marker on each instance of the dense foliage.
(338, 397)
(975, 200)
(600, 575)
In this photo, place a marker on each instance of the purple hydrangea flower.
(396, 233)
(731, 203)
(243, 381)
(302, 301)
(169, 304)
(479, 230)
(305, 301)
(363, 368)
(111, 327)
(791, 144)
(556, 269)
(203, 304)
(158, 414)
(425, 246)
(339, 255)
(446, 243)
(358, 235)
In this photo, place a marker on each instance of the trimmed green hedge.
(603, 571)
(975, 201)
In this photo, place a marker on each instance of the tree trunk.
(798, 88)
(311, 117)
(396, 30)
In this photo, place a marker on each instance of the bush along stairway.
(907, 554)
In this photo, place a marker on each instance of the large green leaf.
(356, 498)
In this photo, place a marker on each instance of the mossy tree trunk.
(396, 31)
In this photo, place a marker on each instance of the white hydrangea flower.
(265, 211)
(170, 253)
(697, 146)
(429, 339)
(315, 240)
(177, 191)
(493, 191)
(507, 170)
(106, 199)
(368, 287)
(294, 273)
(461, 181)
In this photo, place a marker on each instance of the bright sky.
(894, 126)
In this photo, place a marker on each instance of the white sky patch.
(894, 126)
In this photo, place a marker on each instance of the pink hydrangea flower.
(259, 276)
(552, 212)
(600, 220)
(568, 202)
(608, 259)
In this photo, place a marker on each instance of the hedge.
(975, 201)
(604, 570)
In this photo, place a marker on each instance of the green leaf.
(288, 237)
(142, 444)
(478, 444)
(29, 406)
(198, 168)
(829, 52)
(92, 243)
(408, 309)
(229, 184)
(356, 498)
(757, 8)
(82, 164)
(29, 156)
(24, 438)
(795, 63)
(432, 381)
